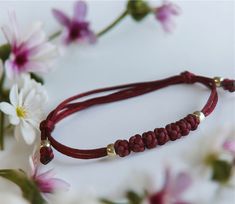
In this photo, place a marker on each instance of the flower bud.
(5, 51)
(138, 9)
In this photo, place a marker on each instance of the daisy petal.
(61, 17)
(80, 10)
(14, 95)
(7, 108)
(17, 133)
(14, 120)
(27, 132)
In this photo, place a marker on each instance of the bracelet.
(136, 143)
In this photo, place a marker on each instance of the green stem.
(1, 130)
(114, 23)
(1, 84)
(1, 113)
(55, 35)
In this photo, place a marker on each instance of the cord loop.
(138, 142)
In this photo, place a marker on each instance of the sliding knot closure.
(188, 77)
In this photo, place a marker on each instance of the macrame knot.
(136, 143)
(184, 126)
(228, 85)
(193, 121)
(161, 135)
(173, 131)
(188, 77)
(122, 148)
(149, 139)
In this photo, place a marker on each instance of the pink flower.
(30, 52)
(172, 189)
(229, 145)
(76, 28)
(46, 181)
(165, 13)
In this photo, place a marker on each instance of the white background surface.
(204, 43)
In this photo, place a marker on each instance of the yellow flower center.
(210, 158)
(21, 112)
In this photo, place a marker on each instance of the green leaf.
(222, 171)
(28, 187)
(134, 198)
(5, 51)
(105, 201)
(138, 9)
(37, 78)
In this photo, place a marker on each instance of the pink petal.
(59, 184)
(168, 26)
(80, 10)
(11, 69)
(48, 184)
(14, 28)
(175, 9)
(229, 145)
(181, 202)
(158, 198)
(46, 175)
(165, 13)
(168, 179)
(181, 183)
(52, 185)
(7, 34)
(35, 37)
(61, 17)
(92, 38)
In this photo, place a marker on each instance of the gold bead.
(45, 143)
(218, 81)
(111, 150)
(200, 115)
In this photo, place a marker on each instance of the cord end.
(46, 152)
(228, 85)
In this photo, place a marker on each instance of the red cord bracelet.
(137, 143)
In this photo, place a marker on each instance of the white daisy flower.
(211, 161)
(25, 109)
